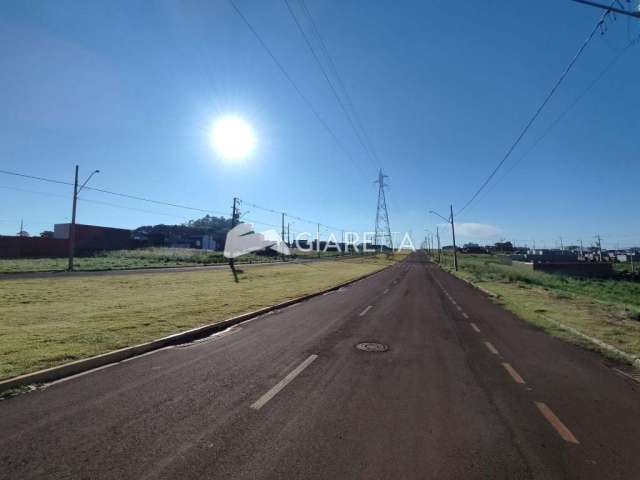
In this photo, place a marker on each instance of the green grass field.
(45, 322)
(125, 259)
(603, 308)
(156, 257)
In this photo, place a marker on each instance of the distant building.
(93, 238)
(208, 243)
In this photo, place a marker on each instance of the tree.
(46, 234)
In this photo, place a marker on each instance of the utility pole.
(234, 221)
(318, 241)
(599, 247)
(289, 235)
(72, 225)
(282, 235)
(453, 233)
(438, 238)
(344, 247)
(581, 249)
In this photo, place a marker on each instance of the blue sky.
(443, 88)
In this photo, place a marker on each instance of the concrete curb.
(633, 360)
(85, 364)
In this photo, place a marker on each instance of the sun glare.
(232, 138)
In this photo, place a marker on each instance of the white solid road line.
(491, 348)
(262, 401)
(555, 422)
(364, 312)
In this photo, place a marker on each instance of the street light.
(72, 226)
(453, 233)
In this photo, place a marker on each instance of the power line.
(59, 195)
(565, 112)
(149, 200)
(33, 177)
(98, 202)
(292, 82)
(538, 110)
(117, 194)
(329, 82)
(338, 77)
(294, 217)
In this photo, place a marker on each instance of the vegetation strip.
(607, 309)
(635, 361)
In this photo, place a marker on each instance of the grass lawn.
(124, 259)
(46, 322)
(155, 257)
(603, 308)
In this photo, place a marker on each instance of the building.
(93, 238)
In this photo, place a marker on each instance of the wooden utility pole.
(318, 241)
(453, 233)
(72, 225)
(438, 238)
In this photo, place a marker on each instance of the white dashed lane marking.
(515, 375)
(555, 422)
(491, 348)
(262, 401)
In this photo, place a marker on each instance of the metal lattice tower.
(382, 235)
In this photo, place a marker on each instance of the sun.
(232, 138)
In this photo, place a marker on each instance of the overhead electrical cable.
(565, 112)
(117, 194)
(343, 107)
(292, 82)
(338, 77)
(537, 112)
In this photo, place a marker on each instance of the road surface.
(465, 390)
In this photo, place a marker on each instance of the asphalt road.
(466, 390)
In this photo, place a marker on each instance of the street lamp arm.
(87, 180)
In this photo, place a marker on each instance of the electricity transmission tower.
(382, 235)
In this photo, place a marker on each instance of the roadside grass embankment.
(154, 257)
(47, 322)
(606, 309)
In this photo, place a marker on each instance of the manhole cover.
(372, 347)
